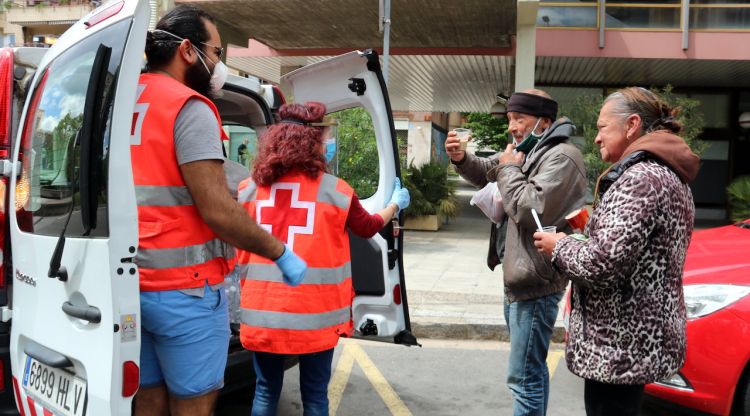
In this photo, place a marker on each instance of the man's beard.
(197, 78)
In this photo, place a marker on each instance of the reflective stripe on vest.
(162, 196)
(166, 258)
(327, 192)
(295, 321)
(247, 193)
(313, 275)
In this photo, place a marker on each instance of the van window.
(48, 188)
(242, 144)
(356, 160)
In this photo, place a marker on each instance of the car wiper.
(745, 225)
(92, 129)
(89, 160)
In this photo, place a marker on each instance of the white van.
(70, 239)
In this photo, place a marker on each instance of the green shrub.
(431, 192)
(738, 193)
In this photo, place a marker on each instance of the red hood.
(719, 255)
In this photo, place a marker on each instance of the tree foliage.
(487, 130)
(357, 151)
(584, 113)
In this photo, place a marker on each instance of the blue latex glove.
(292, 267)
(400, 196)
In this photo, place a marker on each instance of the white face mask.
(219, 76)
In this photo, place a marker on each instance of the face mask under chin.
(530, 141)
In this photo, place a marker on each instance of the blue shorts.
(184, 341)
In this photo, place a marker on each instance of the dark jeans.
(603, 399)
(314, 375)
(530, 323)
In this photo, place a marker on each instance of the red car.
(716, 376)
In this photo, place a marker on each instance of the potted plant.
(739, 198)
(432, 197)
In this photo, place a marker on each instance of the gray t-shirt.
(196, 133)
(197, 137)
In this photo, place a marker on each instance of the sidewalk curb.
(429, 329)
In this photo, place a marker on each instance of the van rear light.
(6, 99)
(104, 14)
(131, 377)
(397, 294)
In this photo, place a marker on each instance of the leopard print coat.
(627, 324)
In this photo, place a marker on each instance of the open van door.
(75, 308)
(354, 92)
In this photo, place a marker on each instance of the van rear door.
(354, 92)
(75, 314)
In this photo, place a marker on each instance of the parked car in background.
(716, 376)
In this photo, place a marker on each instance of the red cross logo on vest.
(284, 215)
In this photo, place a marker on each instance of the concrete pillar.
(526, 44)
(419, 139)
(454, 120)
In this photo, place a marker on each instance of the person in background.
(186, 218)
(539, 170)
(312, 211)
(627, 323)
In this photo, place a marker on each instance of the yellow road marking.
(353, 352)
(553, 358)
(340, 378)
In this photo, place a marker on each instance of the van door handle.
(86, 312)
(45, 355)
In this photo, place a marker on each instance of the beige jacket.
(553, 181)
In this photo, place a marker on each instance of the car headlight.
(702, 300)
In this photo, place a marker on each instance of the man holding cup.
(540, 169)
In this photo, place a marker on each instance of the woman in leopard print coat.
(627, 323)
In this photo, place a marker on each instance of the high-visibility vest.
(176, 249)
(310, 216)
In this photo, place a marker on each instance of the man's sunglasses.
(218, 49)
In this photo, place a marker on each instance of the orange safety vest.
(176, 249)
(310, 216)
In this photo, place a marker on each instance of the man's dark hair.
(184, 21)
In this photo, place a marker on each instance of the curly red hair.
(289, 146)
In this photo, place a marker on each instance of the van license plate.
(56, 389)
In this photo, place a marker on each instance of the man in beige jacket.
(542, 170)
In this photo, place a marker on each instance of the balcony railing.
(45, 12)
(664, 15)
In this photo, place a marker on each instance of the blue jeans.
(530, 324)
(314, 375)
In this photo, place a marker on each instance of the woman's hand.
(545, 242)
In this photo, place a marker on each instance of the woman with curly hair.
(627, 321)
(291, 195)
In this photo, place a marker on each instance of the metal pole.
(602, 15)
(386, 37)
(685, 23)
